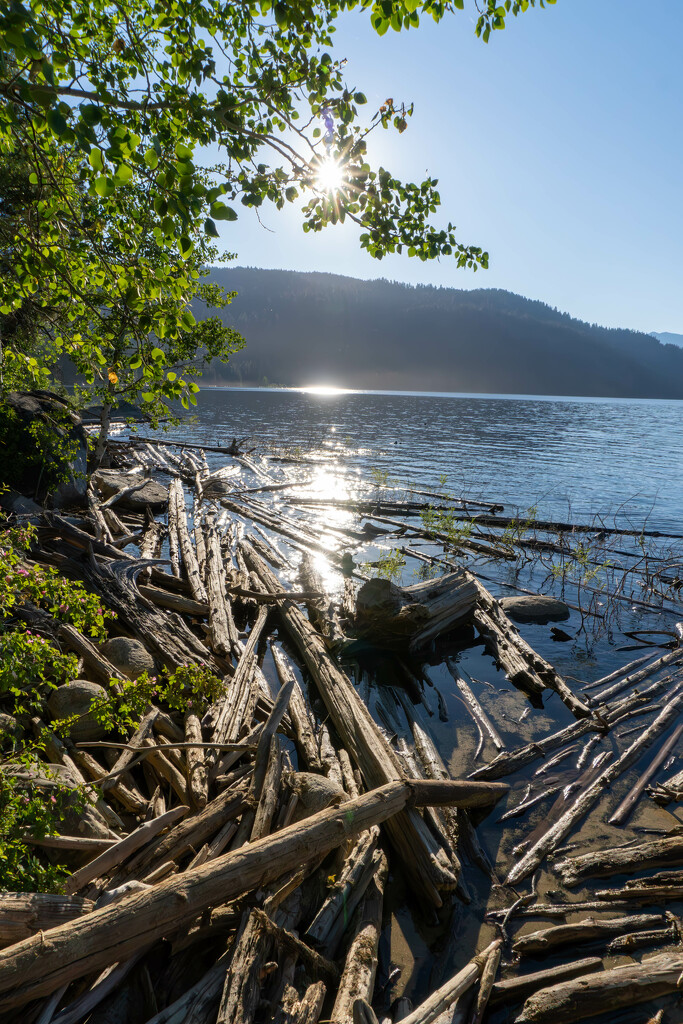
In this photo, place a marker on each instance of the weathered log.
(197, 777)
(523, 665)
(629, 985)
(590, 796)
(438, 1001)
(187, 551)
(474, 707)
(174, 602)
(486, 983)
(621, 859)
(359, 868)
(232, 711)
(221, 625)
(100, 669)
(25, 914)
(116, 932)
(302, 720)
(591, 928)
(114, 855)
(109, 981)
(358, 977)
(628, 803)
(412, 616)
(241, 988)
(135, 743)
(514, 990)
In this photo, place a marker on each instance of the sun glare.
(329, 176)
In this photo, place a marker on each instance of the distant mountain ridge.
(304, 329)
(668, 338)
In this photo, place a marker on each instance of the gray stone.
(315, 793)
(75, 698)
(535, 608)
(129, 656)
(152, 494)
(13, 501)
(10, 729)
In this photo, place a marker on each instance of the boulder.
(152, 494)
(535, 608)
(129, 656)
(315, 793)
(75, 698)
(44, 447)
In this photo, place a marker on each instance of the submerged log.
(590, 796)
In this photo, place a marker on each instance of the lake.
(572, 457)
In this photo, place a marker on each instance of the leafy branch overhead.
(109, 112)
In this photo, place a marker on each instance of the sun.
(329, 176)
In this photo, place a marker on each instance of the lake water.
(573, 458)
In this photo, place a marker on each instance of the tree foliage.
(109, 109)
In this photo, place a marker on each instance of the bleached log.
(617, 860)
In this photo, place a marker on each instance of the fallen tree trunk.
(37, 966)
(514, 990)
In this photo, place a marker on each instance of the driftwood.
(363, 740)
(587, 799)
(628, 803)
(434, 1005)
(117, 932)
(358, 976)
(26, 914)
(474, 707)
(412, 616)
(486, 983)
(514, 990)
(621, 859)
(591, 928)
(588, 996)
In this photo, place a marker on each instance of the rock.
(152, 494)
(44, 447)
(535, 608)
(75, 698)
(13, 501)
(315, 793)
(129, 656)
(10, 729)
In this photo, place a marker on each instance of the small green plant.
(29, 667)
(380, 477)
(389, 566)
(427, 571)
(441, 525)
(27, 808)
(190, 687)
(22, 581)
(580, 567)
(519, 527)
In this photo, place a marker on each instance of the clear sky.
(558, 148)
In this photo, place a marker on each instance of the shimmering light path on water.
(572, 457)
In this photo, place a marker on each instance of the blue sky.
(558, 148)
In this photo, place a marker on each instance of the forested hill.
(311, 328)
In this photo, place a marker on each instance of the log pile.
(234, 862)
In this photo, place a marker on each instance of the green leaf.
(96, 160)
(219, 211)
(91, 114)
(360, 98)
(210, 228)
(104, 186)
(123, 174)
(182, 151)
(151, 159)
(57, 122)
